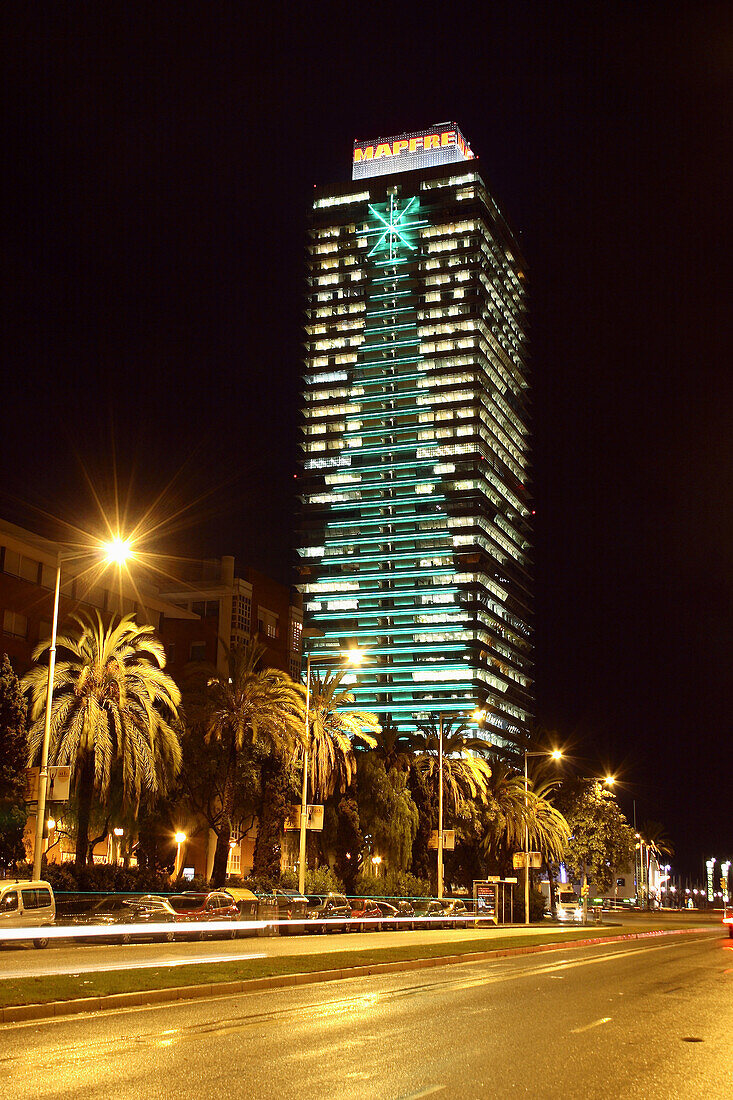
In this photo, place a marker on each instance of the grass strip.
(63, 987)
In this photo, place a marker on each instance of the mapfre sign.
(444, 144)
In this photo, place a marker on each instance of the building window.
(267, 623)
(198, 651)
(19, 566)
(15, 625)
(241, 614)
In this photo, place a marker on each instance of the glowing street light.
(376, 861)
(118, 551)
(180, 838)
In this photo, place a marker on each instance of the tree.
(332, 731)
(112, 701)
(466, 774)
(601, 841)
(13, 759)
(252, 706)
(343, 837)
(505, 812)
(387, 813)
(657, 843)
(207, 769)
(393, 748)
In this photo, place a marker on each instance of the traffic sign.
(449, 840)
(314, 818)
(519, 860)
(57, 785)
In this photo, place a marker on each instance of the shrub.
(322, 880)
(537, 904)
(395, 884)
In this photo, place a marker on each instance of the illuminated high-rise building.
(416, 513)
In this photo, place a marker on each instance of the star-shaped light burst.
(395, 227)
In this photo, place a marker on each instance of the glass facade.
(415, 508)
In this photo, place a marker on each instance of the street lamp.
(180, 838)
(117, 551)
(353, 657)
(555, 754)
(376, 860)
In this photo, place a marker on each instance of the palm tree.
(112, 704)
(394, 749)
(657, 843)
(251, 706)
(506, 808)
(466, 773)
(333, 729)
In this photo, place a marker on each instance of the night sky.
(161, 162)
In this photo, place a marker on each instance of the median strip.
(57, 995)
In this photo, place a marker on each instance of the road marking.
(587, 1027)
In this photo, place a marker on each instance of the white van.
(569, 906)
(26, 904)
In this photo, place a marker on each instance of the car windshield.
(181, 903)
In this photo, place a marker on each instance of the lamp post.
(353, 657)
(555, 754)
(117, 551)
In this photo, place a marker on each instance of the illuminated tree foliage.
(387, 813)
(13, 758)
(333, 729)
(112, 702)
(252, 706)
(601, 840)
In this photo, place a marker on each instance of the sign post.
(485, 896)
(313, 818)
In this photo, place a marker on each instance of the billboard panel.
(441, 144)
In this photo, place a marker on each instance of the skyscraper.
(416, 513)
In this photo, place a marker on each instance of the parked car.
(291, 906)
(114, 910)
(198, 908)
(389, 914)
(405, 911)
(457, 913)
(334, 909)
(27, 905)
(368, 915)
(429, 913)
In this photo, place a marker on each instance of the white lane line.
(587, 1027)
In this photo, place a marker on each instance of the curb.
(20, 1013)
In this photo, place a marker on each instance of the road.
(640, 1018)
(21, 960)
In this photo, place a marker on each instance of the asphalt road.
(22, 960)
(641, 1018)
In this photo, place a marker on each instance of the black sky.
(161, 160)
